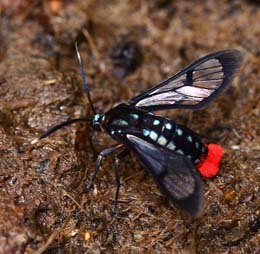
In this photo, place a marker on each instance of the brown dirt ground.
(43, 207)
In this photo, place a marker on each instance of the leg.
(117, 185)
(123, 153)
(98, 163)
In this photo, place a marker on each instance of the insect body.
(124, 121)
(172, 153)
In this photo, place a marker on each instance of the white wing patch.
(180, 183)
(161, 98)
(214, 84)
(194, 91)
(178, 82)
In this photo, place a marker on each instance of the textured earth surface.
(43, 207)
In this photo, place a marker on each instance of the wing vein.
(210, 74)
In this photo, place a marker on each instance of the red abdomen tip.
(210, 166)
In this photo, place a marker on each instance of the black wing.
(174, 174)
(194, 86)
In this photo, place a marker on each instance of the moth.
(175, 155)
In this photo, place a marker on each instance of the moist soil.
(44, 208)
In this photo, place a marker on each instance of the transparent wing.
(174, 174)
(194, 86)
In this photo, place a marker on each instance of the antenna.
(60, 126)
(83, 77)
(69, 122)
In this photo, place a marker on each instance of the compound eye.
(97, 126)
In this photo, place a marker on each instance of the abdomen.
(174, 137)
